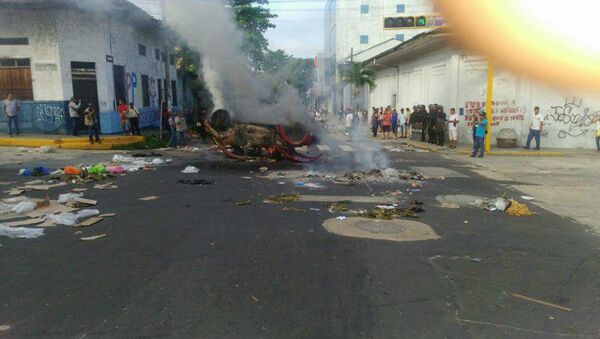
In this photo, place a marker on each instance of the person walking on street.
(453, 128)
(402, 121)
(90, 119)
(375, 122)
(348, 121)
(395, 123)
(74, 106)
(181, 128)
(134, 119)
(535, 129)
(440, 125)
(479, 146)
(11, 109)
(122, 109)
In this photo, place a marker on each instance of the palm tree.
(357, 76)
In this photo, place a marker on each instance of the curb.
(71, 143)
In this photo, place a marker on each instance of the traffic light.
(399, 22)
(421, 21)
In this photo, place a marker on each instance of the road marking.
(323, 148)
(347, 148)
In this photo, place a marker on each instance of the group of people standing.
(388, 120)
(90, 119)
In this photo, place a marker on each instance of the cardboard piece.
(81, 202)
(52, 208)
(43, 187)
(47, 223)
(107, 215)
(89, 222)
(150, 198)
(107, 186)
(26, 222)
(94, 237)
(79, 190)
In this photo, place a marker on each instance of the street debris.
(340, 206)
(24, 207)
(79, 190)
(282, 198)
(65, 198)
(254, 298)
(34, 172)
(90, 222)
(107, 186)
(195, 182)
(150, 198)
(20, 232)
(27, 222)
(146, 155)
(4, 328)
(71, 219)
(527, 197)
(541, 302)
(518, 209)
(293, 209)
(46, 149)
(190, 170)
(243, 203)
(107, 215)
(341, 218)
(389, 214)
(263, 169)
(100, 236)
(70, 170)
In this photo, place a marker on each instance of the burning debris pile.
(385, 176)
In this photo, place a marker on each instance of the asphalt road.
(194, 264)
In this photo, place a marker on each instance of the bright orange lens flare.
(527, 37)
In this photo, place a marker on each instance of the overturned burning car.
(244, 141)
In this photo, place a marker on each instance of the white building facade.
(429, 70)
(357, 29)
(52, 50)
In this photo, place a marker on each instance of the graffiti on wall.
(573, 118)
(131, 84)
(49, 117)
(152, 91)
(502, 111)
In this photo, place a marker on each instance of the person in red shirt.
(122, 109)
(386, 122)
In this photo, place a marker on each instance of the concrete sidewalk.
(69, 142)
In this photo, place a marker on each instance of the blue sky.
(299, 27)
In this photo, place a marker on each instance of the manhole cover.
(394, 230)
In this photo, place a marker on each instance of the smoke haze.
(208, 25)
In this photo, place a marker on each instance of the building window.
(364, 39)
(15, 78)
(400, 37)
(400, 8)
(157, 54)
(364, 9)
(14, 41)
(174, 92)
(163, 56)
(142, 49)
(145, 91)
(172, 59)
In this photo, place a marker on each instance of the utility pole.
(488, 105)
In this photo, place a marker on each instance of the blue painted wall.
(110, 122)
(48, 117)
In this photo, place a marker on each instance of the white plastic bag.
(20, 232)
(121, 159)
(501, 204)
(190, 170)
(71, 219)
(65, 198)
(158, 161)
(24, 207)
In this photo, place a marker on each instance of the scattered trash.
(146, 155)
(247, 178)
(116, 169)
(158, 161)
(341, 218)
(20, 232)
(107, 215)
(44, 187)
(57, 173)
(90, 222)
(450, 205)
(527, 197)
(195, 182)
(122, 159)
(190, 170)
(293, 209)
(315, 209)
(476, 260)
(27, 222)
(107, 186)
(98, 169)
(94, 237)
(518, 209)
(501, 204)
(340, 206)
(80, 189)
(70, 170)
(24, 207)
(389, 214)
(541, 302)
(150, 198)
(263, 170)
(466, 221)
(34, 172)
(81, 202)
(254, 298)
(282, 198)
(299, 184)
(243, 203)
(65, 198)
(4, 328)
(71, 219)
(46, 149)
(6, 183)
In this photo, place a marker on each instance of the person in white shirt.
(349, 121)
(74, 106)
(535, 129)
(453, 128)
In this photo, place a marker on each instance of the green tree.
(255, 20)
(284, 68)
(189, 66)
(357, 76)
